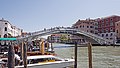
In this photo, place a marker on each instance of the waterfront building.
(59, 38)
(117, 31)
(106, 27)
(8, 30)
(88, 25)
(54, 38)
(78, 39)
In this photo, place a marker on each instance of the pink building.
(117, 31)
(55, 37)
(87, 25)
(106, 27)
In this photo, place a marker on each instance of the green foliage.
(64, 37)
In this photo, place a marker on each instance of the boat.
(44, 61)
(39, 59)
(47, 61)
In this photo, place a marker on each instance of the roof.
(87, 21)
(108, 17)
(118, 22)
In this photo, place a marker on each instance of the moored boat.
(44, 57)
(47, 61)
(43, 61)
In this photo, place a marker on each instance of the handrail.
(55, 30)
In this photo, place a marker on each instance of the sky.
(35, 15)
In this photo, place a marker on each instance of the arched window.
(5, 36)
(5, 28)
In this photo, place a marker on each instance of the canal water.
(103, 57)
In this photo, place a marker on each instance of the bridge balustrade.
(99, 39)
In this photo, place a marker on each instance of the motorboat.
(44, 58)
(45, 61)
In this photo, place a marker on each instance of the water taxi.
(43, 61)
(44, 58)
(47, 61)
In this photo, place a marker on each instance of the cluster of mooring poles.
(89, 45)
(23, 51)
(11, 52)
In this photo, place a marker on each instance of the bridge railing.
(93, 35)
(47, 31)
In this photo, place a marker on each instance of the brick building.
(87, 25)
(106, 27)
(117, 31)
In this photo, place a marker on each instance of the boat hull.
(50, 65)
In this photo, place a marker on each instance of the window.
(6, 23)
(91, 23)
(80, 26)
(117, 24)
(91, 31)
(107, 24)
(5, 28)
(96, 28)
(5, 36)
(111, 38)
(102, 35)
(76, 27)
(117, 31)
(111, 24)
(83, 26)
(102, 30)
(111, 19)
(106, 35)
(102, 24)
(91, 26)
(111, 29)
(87, 26)
(12, 27)
(106, 30)
(111, 34)
(106, 20)
(103, 21)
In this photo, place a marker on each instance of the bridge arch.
(98, 39)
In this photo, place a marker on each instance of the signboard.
(8, 39)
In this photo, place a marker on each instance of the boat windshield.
(42, 60)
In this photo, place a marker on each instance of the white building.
(7, 29)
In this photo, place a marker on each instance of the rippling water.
(103, 57)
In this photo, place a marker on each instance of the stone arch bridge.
(96, 38)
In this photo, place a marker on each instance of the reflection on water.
(103, 57)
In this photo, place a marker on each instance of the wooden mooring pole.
(11, 53)
(90, 54)
(75, 65)
(21, 50)
(25, 55)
